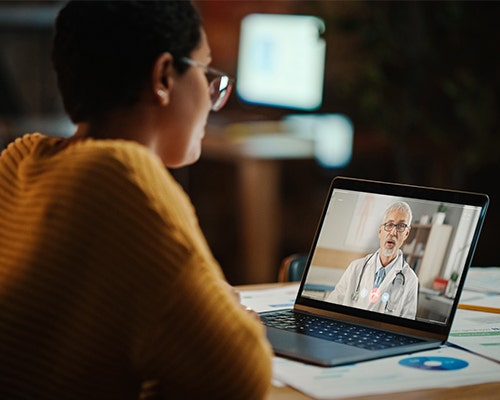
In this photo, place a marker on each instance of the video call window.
(435, 249)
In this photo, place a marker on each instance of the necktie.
(379, 277)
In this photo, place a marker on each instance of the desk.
(484, 391)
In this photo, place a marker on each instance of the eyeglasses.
(219, 87)
(388, 226)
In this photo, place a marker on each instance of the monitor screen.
(281, 61)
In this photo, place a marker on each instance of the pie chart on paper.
(434, 363)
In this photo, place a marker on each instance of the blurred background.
(419, 82)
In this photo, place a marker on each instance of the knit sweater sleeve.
(199, 339)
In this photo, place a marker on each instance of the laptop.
(339, 315)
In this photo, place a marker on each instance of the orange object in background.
(440, 284)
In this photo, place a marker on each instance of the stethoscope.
(397, 282)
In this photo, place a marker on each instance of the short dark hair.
(103, 51)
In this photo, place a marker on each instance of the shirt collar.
(390, 265)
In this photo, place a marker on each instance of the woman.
(108, 289)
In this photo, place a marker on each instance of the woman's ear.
(162, 78)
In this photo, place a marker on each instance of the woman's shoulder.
(23, 145)
(110, 150)
(117, 158)
(40, 148)
(117, 161)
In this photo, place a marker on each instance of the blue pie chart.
(434, 363)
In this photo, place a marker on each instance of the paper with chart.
(270, 299)
(444, 367)
(475, 330)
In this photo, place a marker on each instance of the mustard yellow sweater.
(106, 282)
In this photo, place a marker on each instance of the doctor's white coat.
(392, 298)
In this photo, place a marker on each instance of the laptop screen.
(396, 250)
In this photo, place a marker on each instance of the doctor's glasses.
(220, 86)
(388, 226)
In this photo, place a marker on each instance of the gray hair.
(399, 206)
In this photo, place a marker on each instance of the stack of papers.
(444, 367)
(479, 331)
(278, 298)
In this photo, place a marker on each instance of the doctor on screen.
(382, 281)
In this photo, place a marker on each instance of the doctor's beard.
(389, 251)
(390, 247)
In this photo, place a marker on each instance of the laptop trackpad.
(312, 349)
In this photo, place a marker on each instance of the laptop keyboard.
(336, 331)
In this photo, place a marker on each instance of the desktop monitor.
(281, 61)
